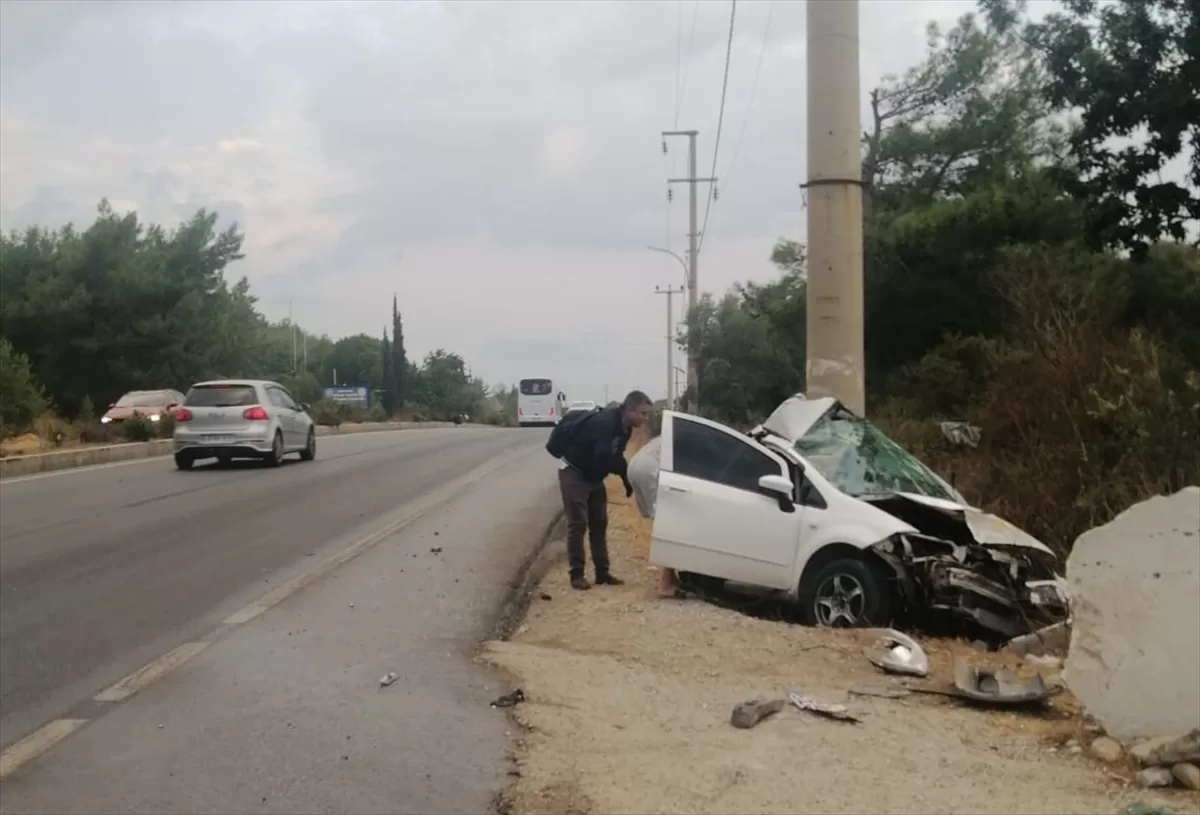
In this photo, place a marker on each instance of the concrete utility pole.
(834, 364)
(693, 254)
(670, 292)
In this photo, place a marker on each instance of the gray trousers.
(586, 507)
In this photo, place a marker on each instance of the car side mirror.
(780, 488)
(305, 406)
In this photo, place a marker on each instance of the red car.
(151, 404)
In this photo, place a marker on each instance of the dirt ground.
(628, 699)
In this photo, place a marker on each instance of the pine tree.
(389, 377)
(399, 359)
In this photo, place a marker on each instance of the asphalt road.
(106, 569)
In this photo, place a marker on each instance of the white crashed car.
(819, 504)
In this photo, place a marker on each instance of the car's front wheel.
(310, 448)
(845, 593)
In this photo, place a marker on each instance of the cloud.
(496, 164)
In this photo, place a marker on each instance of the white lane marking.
(44, 738)
(36, 743)
(438, 499)
(151, 459)
(150, 673)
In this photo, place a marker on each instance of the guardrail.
(15, 466)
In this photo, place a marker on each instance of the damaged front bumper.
(988, 587)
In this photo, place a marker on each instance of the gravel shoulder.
(629, 698)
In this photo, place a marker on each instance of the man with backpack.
(590, 447)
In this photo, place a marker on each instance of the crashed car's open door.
(711, 517)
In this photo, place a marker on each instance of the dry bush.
(1080, 419)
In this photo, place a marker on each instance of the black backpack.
(565, 431)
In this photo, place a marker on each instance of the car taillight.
(183, 415)
(255, 414)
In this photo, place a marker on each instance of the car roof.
(260, 382)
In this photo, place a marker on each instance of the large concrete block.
(1134, 659)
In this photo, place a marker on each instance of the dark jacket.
(598, 446)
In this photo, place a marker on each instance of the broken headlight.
(1046, 594)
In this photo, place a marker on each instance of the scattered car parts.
(896, 653)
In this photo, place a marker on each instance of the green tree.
(386, 361)
(399, 357)
(21, 397)
(1131, 68)
(357, 361)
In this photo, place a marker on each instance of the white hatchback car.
(242, 418)
(818, 504)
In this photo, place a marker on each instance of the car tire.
(275, 457)
(845, 593)
(183, 461)
(310, 448)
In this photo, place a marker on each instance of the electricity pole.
(834, 341)
(670, 292)
(693, 254)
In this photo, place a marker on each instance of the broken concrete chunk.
(1107, 750)
(1155, 777)
(1049, 663)
(1169, 749)
(1051, 639)
(748, 714)
(896, 653)
(1188, 775)
(1134, 659)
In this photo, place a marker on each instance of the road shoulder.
(628, 700)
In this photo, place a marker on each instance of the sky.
(497, 165)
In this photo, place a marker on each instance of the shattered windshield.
(855, 456)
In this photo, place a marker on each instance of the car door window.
(712, 455)
(287, 400)
(276, 397)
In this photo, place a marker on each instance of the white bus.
(539, 403)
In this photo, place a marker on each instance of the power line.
(682, 88)
(720, 118)
(737, 146)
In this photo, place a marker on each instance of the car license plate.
(217, 439)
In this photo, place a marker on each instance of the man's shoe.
(608, 580)
(580, 583)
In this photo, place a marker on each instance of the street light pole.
(671, 380)
(670, 292)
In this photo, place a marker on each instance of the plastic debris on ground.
(897, 653)
(830, 711)
(387, 679)
(1000, 686)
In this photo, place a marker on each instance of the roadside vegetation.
(1024, 272)
(122, 305)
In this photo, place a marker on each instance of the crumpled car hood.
(985, 528)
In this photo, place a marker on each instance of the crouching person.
(591, 447)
